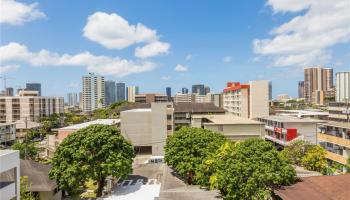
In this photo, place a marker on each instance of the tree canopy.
(188, 147)
(26, 147)
(315, 159)
(296, 151)
(93, 153)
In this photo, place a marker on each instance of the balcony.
(7, 190)
(336, 157)
(333, 139)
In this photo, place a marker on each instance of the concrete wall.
(137, 127)
(238, 131)
(308, 130)
(259, 99)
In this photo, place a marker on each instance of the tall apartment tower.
(318, 83)
(110, 92)
(301, 89)
(93, 92)
(168, 93)
(120, 91)
(34, 87)
(132, 91)
(9, 91)
(72, 99)
(206, 90)
(198, 89)
(184, 90)
(342, 86)
(250, 100)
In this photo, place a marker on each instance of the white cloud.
(104, 65)
(114, 32)
(227, 59)
(181, 68)
(8, 68)
(165, 78)
(152, 49)
(16, 13)
(188, 57)
(307, 38)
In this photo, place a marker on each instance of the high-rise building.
(168, 93)
(93, 92)
(342, 86)
(9, 91)
(217, 100)
(110, 92)
(247, 100)
(301, 89)
(198, 89)
(317, 84)
(80, 100)
(184, 90)
(206, 90)
(120, 92)
(270, 90)
(34, 87)
(72, 99)
(132, 91)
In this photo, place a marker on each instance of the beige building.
(184, 98)
(33, 108)
(342, 86)
(202, 98)
(232, 127)
(131, 93)
(148, 128)
(150, 98)
(247, 100)
(339, 111)
(335, 138)
(7, 133)
(317, 84)
(93, 96)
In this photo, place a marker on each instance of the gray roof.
(283, 118)
(197, 108)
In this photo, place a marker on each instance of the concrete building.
(335, 138)
(72, 99)
(247, 100)
(283, 130)
(206, 90)
(184, 98)
(31, 107)
(198, 89)
(168, 93)
(150, 98)
(131, 93)
(9, 91)
(26, 93)
(93, 92)
(217, 100)
(283, 97)
(120, 91)
(307, 113)
(202, 98)
(184, 111)
(7, 133)
(301, 89)
(342, 86)
(9, 175)
(34, 87)
(110, 92)
(184, 90)
(317, 81)
(232, 127)
(148, 128)
(339, 111)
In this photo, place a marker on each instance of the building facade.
(110, 92)
(7, 133)
(301, 89)
(184, 98)
(168, 93)
(33, 108)
(131, 93)
(317, 82)
(9, 91)
(34, 87)
(198, 89)
(247, 100)
(120, 91)
(9, 175)
(342, 86)
(72, 99)
(339, 111)
(184, 90)
(93, 92)
(217, 100)
(150, 98)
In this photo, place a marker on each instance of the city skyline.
(237, 47)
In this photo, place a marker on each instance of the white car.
(155, 159)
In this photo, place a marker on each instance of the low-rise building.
(308, 113)
(339, 111)
(184, 98)
(284, 129)
(148, 128)
(9, 175)
(7, 133)
(335, 138)
(232, 127)
(150, 98)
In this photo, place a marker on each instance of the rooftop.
(283, 118)
(139, 110)
(86, 124)
(197, 108)
(226, 119)
(337, 124)
(304, 112)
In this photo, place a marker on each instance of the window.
(169, 127)
(168, 117)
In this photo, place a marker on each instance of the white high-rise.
(131, 92)
(93, 92)
(342, 86)
(72, 99)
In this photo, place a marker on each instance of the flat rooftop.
(139, 110)
(304, 112)
(337, 124)
(4, 152)
(226, 119)
(284, 118)
(86, 124)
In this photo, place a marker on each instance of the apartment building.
(93, 92)
(301, 89)
(32, 108)
(202, 98)
(184, 98)
(72, 99)
(150, 98)
(217, 100)
(7, 133)
(120, 91)
(34, 87)
(148, 128)
(110, 92)
(318, 84)
(232, 127)
(342, 86)
(339, 111)
(131, 93)
(9, 175)
(249, 100)
(335, 138)
(285, 129)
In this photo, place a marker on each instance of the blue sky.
(209, 42)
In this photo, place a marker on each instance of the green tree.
(24, 193)
(188, 147)
(72, 118)
(93, 153)
(252, 170)
(24, 147)
(296, 151)
(315, 159)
